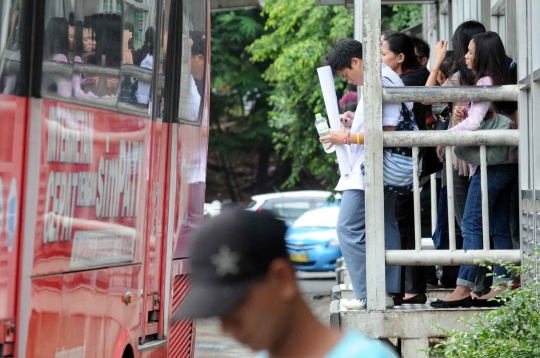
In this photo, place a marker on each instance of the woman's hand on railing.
(460, 112)
(441, 153)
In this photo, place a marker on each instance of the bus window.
(137, 57)
(9, 45)
(82, 51)
(193, 61)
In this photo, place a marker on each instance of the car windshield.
(325, 217)
(252, 204)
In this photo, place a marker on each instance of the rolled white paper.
(330, 101)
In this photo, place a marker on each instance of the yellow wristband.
(358, 138)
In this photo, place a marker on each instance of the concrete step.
(415, 325)
(345, 291)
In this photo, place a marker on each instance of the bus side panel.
(85, 314)
(45, 317)
(12, 143)
(92, 188)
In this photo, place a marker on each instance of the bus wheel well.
(128, 352)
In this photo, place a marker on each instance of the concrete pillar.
(410, 347)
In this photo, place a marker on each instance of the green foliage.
(296, 42)
(237, 84)
(239, 104)
(399, 17)
(512, 330)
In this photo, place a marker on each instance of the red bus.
(104, 131)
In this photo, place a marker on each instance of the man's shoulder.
(355, 345)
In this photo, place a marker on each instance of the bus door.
(186, 45)
(13, 112)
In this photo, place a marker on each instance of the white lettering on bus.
(71, 135)
(118, 182)
(86, 195)
(59, 206)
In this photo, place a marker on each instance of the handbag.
(398, 161)
(494, 154)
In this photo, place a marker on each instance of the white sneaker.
(389, 301)
(354, 304)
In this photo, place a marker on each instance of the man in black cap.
(242, 274)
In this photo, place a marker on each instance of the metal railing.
(480, 139)
(451, 256)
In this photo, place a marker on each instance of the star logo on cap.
(226, 261)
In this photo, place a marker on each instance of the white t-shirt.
(390, 117)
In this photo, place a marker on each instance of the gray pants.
(351, 230)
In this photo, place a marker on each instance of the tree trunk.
(261, 184)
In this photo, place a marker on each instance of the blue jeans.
(501, 179)
(351, 230)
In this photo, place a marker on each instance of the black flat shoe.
(477, 302)
(398, 300)
(421, 298)
(438, 303)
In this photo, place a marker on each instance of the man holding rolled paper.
(345, 60)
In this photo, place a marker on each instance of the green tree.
(296, 42)
(399, 17)
(239, 108)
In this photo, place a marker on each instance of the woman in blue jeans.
(487, 58)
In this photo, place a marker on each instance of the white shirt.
(390, 117)
(143, 88)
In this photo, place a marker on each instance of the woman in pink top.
(56, 47)
(487, 58)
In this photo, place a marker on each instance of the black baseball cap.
(231, 252)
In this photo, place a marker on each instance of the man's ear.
(282, 274)
(356, 62)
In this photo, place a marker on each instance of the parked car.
(211, 209)
(288, 206)
(312, 240)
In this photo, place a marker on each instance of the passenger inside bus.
(75, 56)
(10, 55)
(89, 56)
(144, 58)
(109, 32)
(56, 48)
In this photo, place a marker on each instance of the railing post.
(434, 202)
(450, 199)
(374, 192)
(416, 199)
(485, 196)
